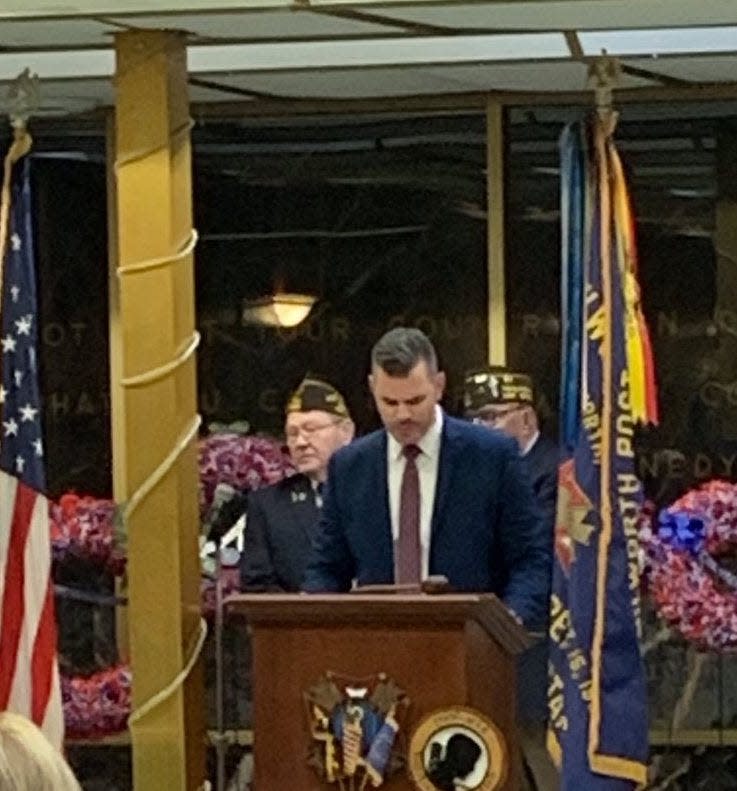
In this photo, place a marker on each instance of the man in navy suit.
(283, 518)
(504, 400)
(429, 495)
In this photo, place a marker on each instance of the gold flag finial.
(23, 98)
(603, 77)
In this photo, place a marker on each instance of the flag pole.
(603, 77)
(23, 100)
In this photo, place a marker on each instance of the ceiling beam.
(674, 12)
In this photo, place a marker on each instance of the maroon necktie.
(408, 562)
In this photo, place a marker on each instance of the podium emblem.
(457, 747)
(355, 726)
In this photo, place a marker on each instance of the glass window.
(382, 220)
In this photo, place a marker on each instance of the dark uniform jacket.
(532, 692)
(542, 466)
(281, 523)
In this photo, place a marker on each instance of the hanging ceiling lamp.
(279, 310)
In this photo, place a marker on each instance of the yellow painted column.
(497, 311)
(154, 405)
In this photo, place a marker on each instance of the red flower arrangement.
(85, 527)
(239, 462)
(685, 548)
(97, 705)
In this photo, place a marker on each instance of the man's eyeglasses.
(309, 429)
(491, 417)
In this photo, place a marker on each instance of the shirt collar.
(430, 442)
(530, 444)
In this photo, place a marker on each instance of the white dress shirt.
(531, 444)
(427, 469)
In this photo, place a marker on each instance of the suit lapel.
(450, 449)
(378, 514)
(381, 490)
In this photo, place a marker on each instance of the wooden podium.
(441, 650)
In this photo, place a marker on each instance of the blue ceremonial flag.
(597, 694)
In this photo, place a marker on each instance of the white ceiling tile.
(266, 24)
(660, 42)
(58, 64)
(376, 52)
(566, 14)
(59, 33)
(62, 8)
(695, 69)
(425, 80)
(340, 84)
(280, 56)
(573, 14)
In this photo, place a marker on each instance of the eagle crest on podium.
(354, 727)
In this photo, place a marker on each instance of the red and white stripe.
(29, 674)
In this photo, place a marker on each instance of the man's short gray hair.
(398, 351)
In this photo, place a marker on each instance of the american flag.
(29, 676)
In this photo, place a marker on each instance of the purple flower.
(241, 462)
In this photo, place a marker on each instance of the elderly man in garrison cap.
(282, 518)
(504, 400)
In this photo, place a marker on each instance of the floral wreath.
(96, 705)
(87, 527)
(685, 546)
(228, 463)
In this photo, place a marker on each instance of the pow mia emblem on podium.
(457, 748)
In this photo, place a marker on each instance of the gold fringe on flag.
(643, 395)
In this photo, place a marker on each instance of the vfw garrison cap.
(317, 394)
(496, 386)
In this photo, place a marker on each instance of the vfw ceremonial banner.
(597, 695)
(29, 679)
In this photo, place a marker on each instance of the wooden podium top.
(390, 609)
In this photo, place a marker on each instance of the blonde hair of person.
(28, 761)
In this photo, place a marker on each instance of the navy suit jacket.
(542, 463)
(282, 522)
(485, 532)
